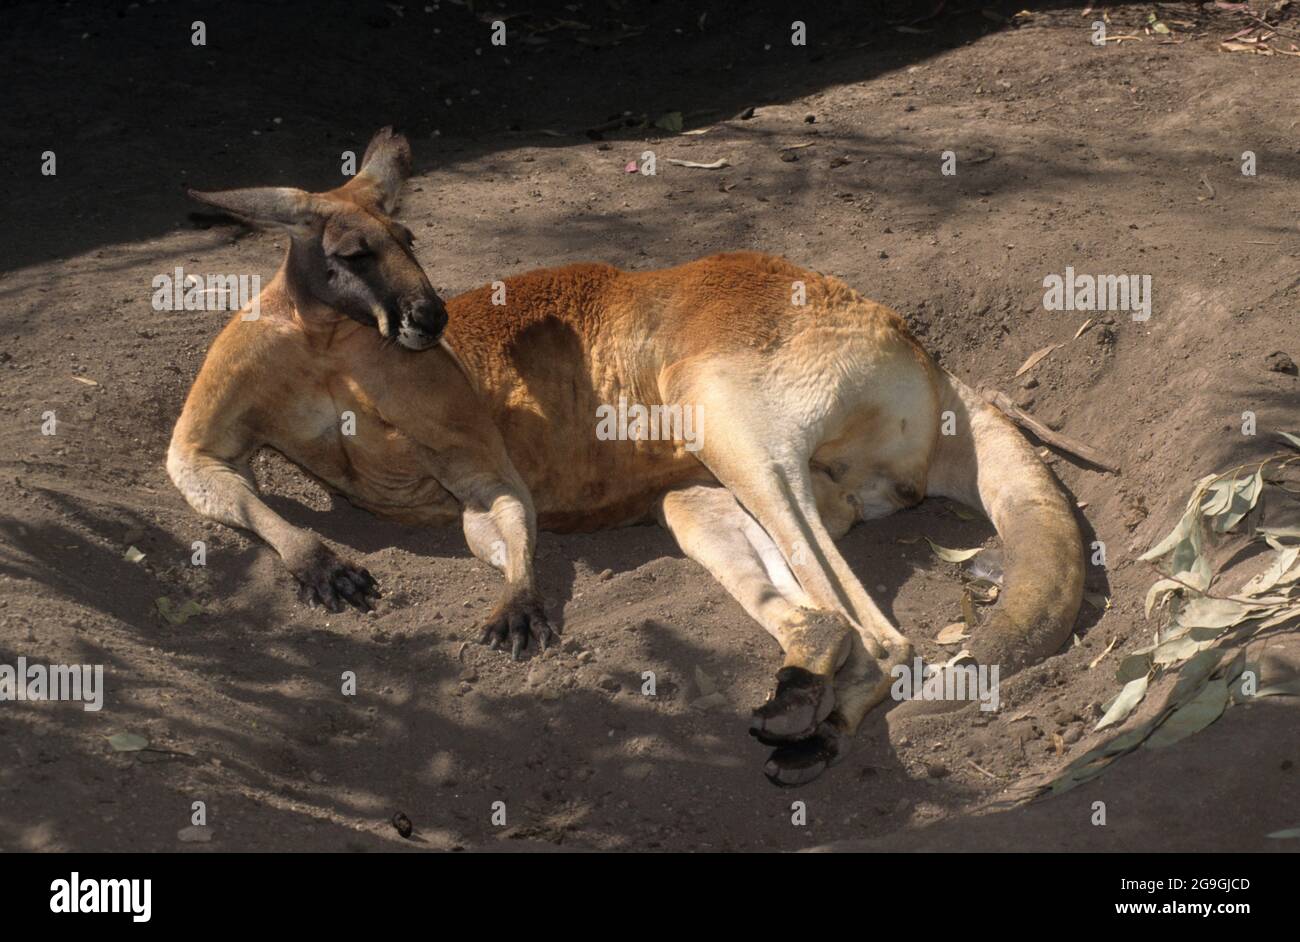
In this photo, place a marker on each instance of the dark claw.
(518, 634)
(333, 582)
(307, 595)
(523, 622)
(355, 595)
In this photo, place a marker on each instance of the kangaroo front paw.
(325, 579)
(519, 618)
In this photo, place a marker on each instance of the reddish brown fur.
(823, 410)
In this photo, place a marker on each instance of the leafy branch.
(1199, 621)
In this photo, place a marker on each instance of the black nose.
(429, 315)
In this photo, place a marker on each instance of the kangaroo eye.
(352, 254)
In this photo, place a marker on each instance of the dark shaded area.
(1236, 808)
(310, 749)
(133, 110)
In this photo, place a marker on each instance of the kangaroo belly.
(596, 473)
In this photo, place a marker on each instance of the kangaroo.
(817, 415)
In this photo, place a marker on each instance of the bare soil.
(1122, 160)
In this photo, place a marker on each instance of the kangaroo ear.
(384, 168)
(281, 206)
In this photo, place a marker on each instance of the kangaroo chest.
(336, 433)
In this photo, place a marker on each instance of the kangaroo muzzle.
(422, 323)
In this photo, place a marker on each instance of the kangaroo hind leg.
(715, 531)
(759, 446)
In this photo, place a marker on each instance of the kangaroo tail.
(989, 464)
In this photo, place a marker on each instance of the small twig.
(1263, 22)
(1055, 439)
(979, 768)
(1098, 659)
(1205, 592)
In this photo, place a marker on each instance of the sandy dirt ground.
(1122, 159)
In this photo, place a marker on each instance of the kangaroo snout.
(423, 322)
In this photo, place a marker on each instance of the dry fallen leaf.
(962, 513)
(1034, 359)
(177, 615)
(960, 657)
(968, 609)
(952, 555)
(194, 834)
(1249, 45)
(952, 634)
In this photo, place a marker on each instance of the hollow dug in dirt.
(1087, 158)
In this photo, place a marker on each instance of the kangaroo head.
(348, 256)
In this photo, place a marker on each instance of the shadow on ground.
(280, 90)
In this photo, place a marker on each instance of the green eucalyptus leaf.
(1125, 703)
(1181, 532)
(1158, 591)
(1218, 497)
(1205, 612)
(1287, 688)
(1133, 667)
(127, 742)
(1245, 494)
(1177, 649)
(1193, 716)
(1278, 572)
